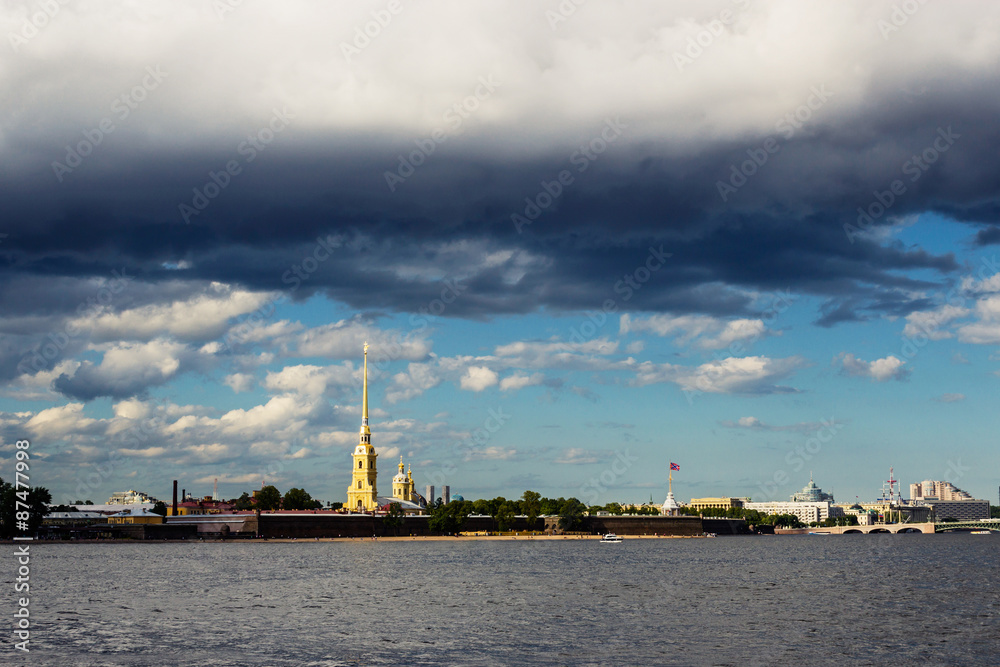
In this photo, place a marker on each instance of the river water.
(765, 600)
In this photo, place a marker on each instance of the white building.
(805, 512)
(130, 497)
(931, 491)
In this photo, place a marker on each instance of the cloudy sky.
(583, 240)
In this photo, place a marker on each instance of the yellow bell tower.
(400, 487)
(363, 492)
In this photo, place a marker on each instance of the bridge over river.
(874, 528)
(943, 527)
(981, 524)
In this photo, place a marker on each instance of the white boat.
(611, 538)
(981, 532)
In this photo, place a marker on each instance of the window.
(359, 483)
(359, 464)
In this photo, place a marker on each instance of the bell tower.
(363, 493)
(400, 488)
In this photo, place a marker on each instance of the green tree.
(571, 514)
(481, 506)
(448, 519)
(394, 518)
(787, 521)
(495, 505)
(268, 498)
(994, 512)
(531, 506)
(299, 499)
(37, 500)
(244, 502)
(505, 516)
(159, 507)
(551, 506)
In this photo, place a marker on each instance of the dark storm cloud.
(783, 229)
(137, 201)
(988, 236)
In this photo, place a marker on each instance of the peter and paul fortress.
(362, 495)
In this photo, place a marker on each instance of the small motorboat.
(981, 532)
(611, 538)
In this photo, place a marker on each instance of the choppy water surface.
(906, 599)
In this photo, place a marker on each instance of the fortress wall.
(644, 525)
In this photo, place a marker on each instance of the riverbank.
(400, 538)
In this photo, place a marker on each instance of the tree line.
(571, 511)
(36, 498)
(269, 498)
(758, 518)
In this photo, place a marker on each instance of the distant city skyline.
(580, 246)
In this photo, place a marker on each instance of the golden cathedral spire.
(362, 495)
(364, 399)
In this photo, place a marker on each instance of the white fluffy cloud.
(417, 379)
(701, 331)
(985, 331)
(745, 422)
(38, 386)
(580, 456)
(478, 378)
(755, 424)
(314, 380)
(603, 57)
(346, 340)
(239, 382)
(129, 368)
(930, 322)
(520, 381)
(880, 370)
(281, 417)
(61, 421)
(198, 318)
(733, 375)
(490, 454)
(568, 355)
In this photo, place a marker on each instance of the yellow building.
(715, 503)
(402, 484)
(127, 517)
(362, 495)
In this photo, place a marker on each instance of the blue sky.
(579, 249)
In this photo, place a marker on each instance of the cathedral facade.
(362, 494)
